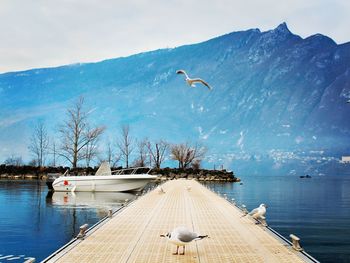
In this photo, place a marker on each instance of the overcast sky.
(43, 33)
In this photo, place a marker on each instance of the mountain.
(272, 92)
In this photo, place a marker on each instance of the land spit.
(31, 172)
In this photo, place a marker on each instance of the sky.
(43, 33)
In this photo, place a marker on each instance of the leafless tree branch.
(39, 143)
(77, 136)
(125, 144)
(185, 154)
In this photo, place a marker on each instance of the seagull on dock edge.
(259, 212)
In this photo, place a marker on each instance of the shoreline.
(164, 174)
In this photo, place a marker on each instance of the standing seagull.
(259, 212)
(192, 82)
(181, 236)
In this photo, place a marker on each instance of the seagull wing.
(203, 82)
(254, 211)
(184, 235)
(181, 71)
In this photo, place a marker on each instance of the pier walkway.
(133, 234)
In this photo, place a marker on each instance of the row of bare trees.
(79, 140)
(151, 153)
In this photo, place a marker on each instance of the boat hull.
(107, 183)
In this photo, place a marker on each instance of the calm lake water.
(34, 223)
(317, 210)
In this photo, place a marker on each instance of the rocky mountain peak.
(282, 29)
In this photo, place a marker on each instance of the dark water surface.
(317, 209)
(34, 224)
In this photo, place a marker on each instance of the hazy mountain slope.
(272, 90)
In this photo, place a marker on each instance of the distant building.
(345, 159)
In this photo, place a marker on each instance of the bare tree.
(185, 154)
(196, 164)
(91, 149)
(76, 133)
(157, 151)
(14, 160)
(142, 153)
(125, 144)
(54, 152)
(33, 162)
(39, 143)
(111, 157)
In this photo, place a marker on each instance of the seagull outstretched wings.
(191, 81)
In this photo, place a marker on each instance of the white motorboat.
(104, 180)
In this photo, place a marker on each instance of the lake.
(35, 222)
(317, 210)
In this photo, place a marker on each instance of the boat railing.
(53, 176)
(133, 170)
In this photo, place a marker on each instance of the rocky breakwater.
(197, 174)
(31, 172)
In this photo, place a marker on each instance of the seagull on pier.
(192, 82)
(259, 212)
(181, 236)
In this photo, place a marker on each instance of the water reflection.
(104, 200)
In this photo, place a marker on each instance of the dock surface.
(133, 235)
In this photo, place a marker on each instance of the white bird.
(188, 188)
(348, 101)
(181, 236)
(192, 82)
(259, 212)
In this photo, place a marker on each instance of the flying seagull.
(192, 82)
(348, 101)
(181, 236)
(259, 212)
